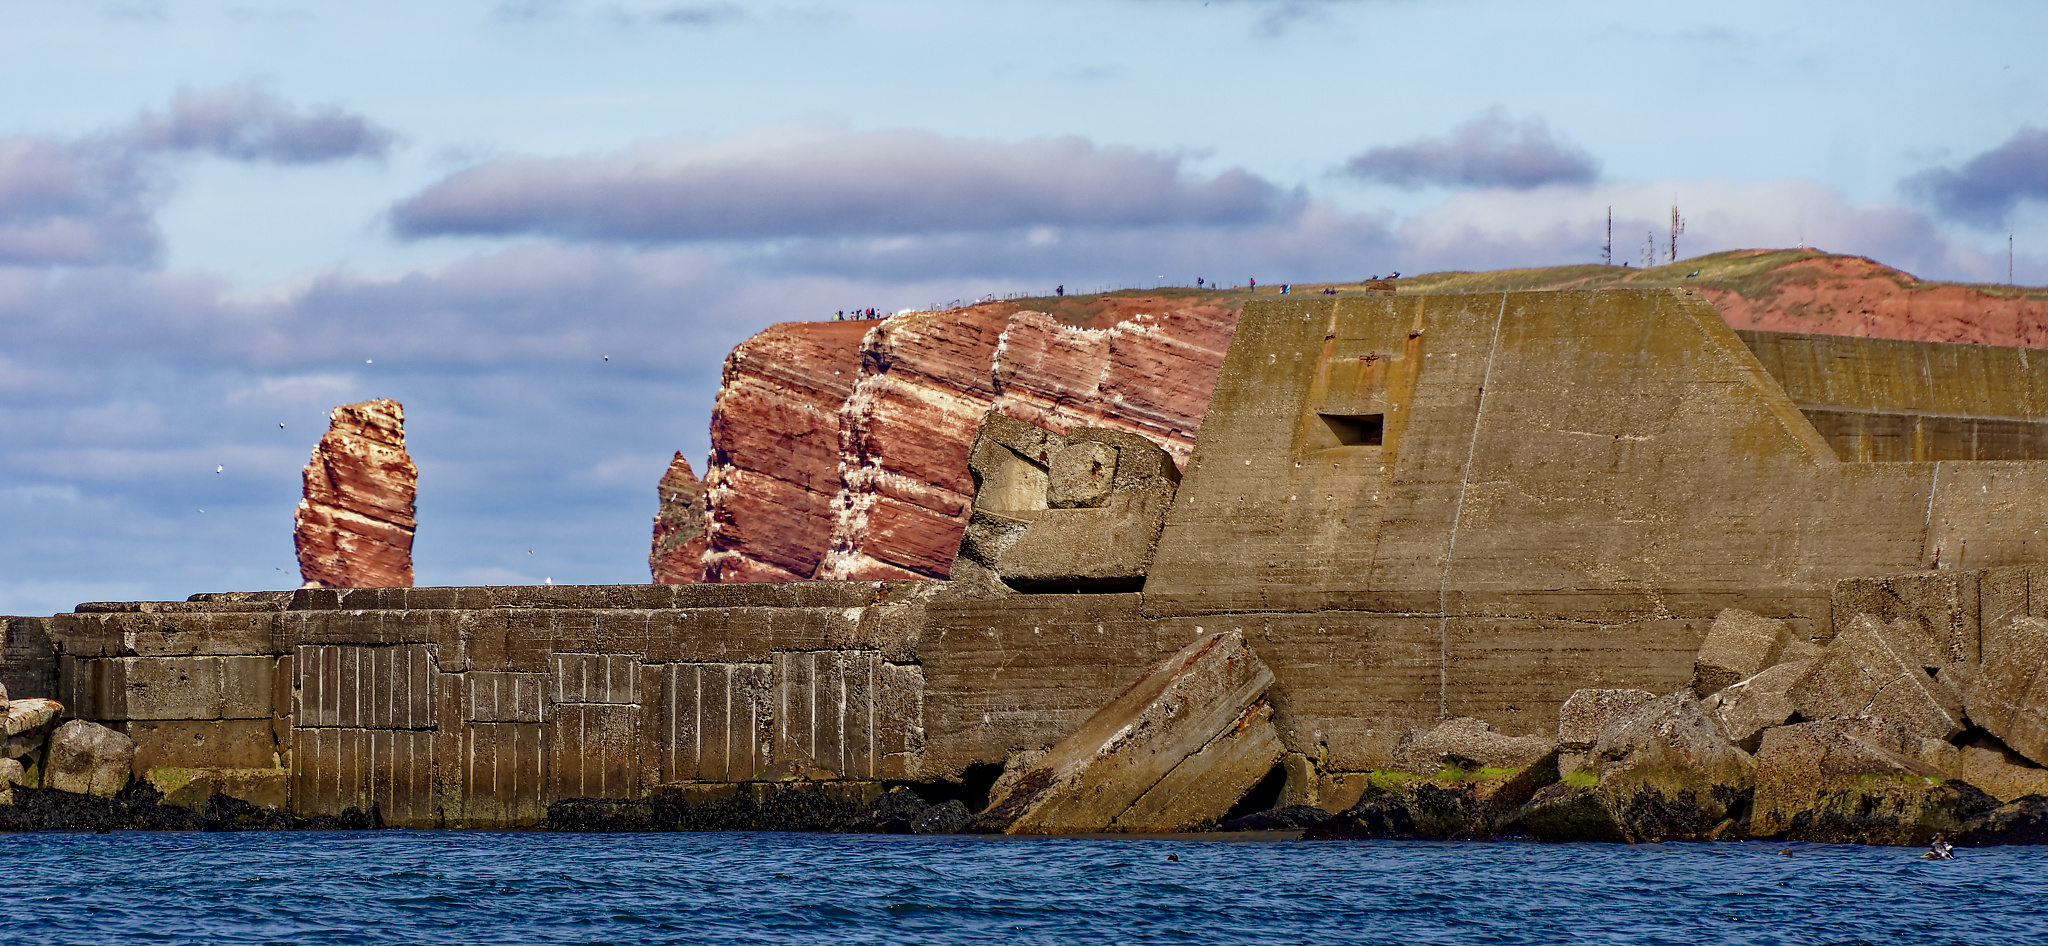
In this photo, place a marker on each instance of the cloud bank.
(92, 201)
(1491, 150)
(812, 183)
(1986, 190)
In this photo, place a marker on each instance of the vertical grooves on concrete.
(1443, 620)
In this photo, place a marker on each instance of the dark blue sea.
(462, 887)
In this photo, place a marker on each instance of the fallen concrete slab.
(1113, 759)
(1879, 670)
(1739, 645)
(2008, 695)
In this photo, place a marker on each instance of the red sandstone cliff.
(354, 528)
(1850, 295)
(677, 557)
(839, 448)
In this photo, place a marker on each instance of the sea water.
(478, 887)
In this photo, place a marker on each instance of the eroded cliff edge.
(839, 449)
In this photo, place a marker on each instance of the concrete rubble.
(1177, 748)
(88, 759)
(1739, 644)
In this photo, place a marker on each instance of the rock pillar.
(354, 528)
(677, 555)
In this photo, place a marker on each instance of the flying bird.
(219, 469)
(1692, 274)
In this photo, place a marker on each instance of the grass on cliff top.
(1749, 273)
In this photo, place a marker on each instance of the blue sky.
(219, 218)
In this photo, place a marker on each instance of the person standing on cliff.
(1060, 290)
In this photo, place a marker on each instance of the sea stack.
(354, 528)
(677, 555)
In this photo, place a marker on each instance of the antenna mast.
(1677, 227)
(1607, 248)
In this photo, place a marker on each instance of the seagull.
(607, 357)
(369, 361)
(219, 469)
(280, 426)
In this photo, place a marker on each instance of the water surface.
(478, 887)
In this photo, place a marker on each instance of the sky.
(541, 224)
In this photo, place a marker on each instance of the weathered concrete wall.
(479, 706)
(1410, 508)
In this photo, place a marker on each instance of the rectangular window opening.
(1356, 430)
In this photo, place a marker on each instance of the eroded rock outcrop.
(677, 557)
(839, 449)
(354, 529)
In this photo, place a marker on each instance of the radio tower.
(1607, 248)
(1677, 227)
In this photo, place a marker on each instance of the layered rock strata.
(839, 449)
(678, 553)
(354, 529)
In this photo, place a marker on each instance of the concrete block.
(87, 759)
(1206, 784)
(1844, 781)
(1739, 645)
(1061, 512)
(594, 751)
(2008, 695)
(1080, 474)
(503, 697)
(393, 770)
(1879, 670)
(711, 722)
(1467, 744)
(1943, 605)
(172, 687)
(499, 776)
(348, 687)
(1747, 708)
(2000, 772)
(1665, 772)
(596, 678)
(24, 717)
(248, 687)
(203, 744)
(1586, 712)
(1172, 711)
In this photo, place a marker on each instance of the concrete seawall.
(1411, 508)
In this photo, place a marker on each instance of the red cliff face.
(774, 467)
(354, 529)
(839, 449)
(677, 557)
(1850, 295)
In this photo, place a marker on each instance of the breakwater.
(1409, 511)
